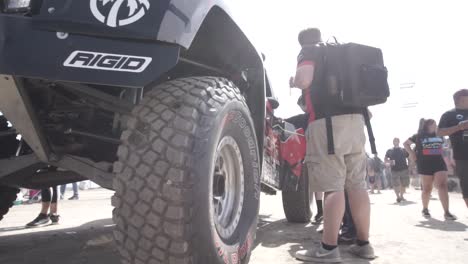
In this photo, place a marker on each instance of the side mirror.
(273, 102)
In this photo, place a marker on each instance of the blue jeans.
(63, 188)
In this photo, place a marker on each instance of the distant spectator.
(397, 157)
(374, 172)
(63, 189)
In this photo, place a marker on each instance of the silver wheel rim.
(228, 187)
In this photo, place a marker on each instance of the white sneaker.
(320, 255)
(364, 252)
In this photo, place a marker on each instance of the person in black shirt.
(397, 157)
(431, 165)
(454, 123)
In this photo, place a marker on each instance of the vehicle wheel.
(297, 203)
(188, 176)
(7, 197)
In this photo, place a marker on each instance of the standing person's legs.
(327, 173)
(46, 199)
(461, 168)
(440, 180)
(348, 230)
(75, 189)
(379, 182)
(54, 217)
(75, 192)
(405, 183)
(372, 184)
(333, 215)
(42, 218)
(427, 183)
(356, 162)
(63, 189)
(53, 202)
(358, 197)
(319, 202)
(396, 182)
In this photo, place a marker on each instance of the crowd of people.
(345, 173)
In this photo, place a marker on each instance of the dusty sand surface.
(399, 233)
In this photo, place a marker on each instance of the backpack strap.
(370, 132)
(330, 141)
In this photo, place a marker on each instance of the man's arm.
(304, 75)
(442, 132)
(387, 159)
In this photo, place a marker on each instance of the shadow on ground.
(88, 243)
(276, 234)
(92, 243)
(403, 203)
(451, 226)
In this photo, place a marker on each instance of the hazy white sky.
(424, 42)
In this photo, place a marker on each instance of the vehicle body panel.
(32, 53)
(173, 21)
(42, 47)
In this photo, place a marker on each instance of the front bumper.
(26, 51)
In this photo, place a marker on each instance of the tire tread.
(154, 162)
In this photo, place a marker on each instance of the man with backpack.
(339, 81)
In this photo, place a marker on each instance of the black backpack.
(355, 74)
(352, 75)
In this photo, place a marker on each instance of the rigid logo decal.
(115, 13)
(107, 61)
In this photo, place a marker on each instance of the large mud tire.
(7, 197)
(168, 198)
(297, 203)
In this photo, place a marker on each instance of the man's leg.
(397, 185)
(333, 214)
(461, 168)
(327, 173)
(402, 192)
(63, 188)
(319, 202)
(405, 183)
(358, 196)
(348, 230)
(75, 189)
(360, 209)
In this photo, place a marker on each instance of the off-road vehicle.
(163, 101)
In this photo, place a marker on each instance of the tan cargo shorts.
(346, 169)
(400, 178)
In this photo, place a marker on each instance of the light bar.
(16, 6)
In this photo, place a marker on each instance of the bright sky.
(425, 43)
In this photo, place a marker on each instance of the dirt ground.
(399, 233)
